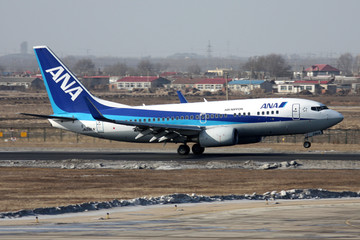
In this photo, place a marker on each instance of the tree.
(272, 65)
(194, 69)
(345, 63)
(118, 69)
(84, 67)
(145, 67)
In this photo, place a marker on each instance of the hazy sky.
(140, 28)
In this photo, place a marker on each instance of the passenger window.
(258, 113)
(220, 115)
(177, 118)
(186, 117)
(191, 117)
(197, 117)
(234, 114)
(216, 116)
(172, 118)
(182, 117)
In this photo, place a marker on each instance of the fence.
(49, 134)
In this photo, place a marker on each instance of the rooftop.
(246, 82)
(321, 68)
(138, 79)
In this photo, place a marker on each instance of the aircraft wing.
(160, 132)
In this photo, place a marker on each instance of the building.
(184, 83)
(246, 86)
(211, 84)
(21, 83)
(139, 82)
(218, 72)
(95, 82)
(318, 70)
(315, 87)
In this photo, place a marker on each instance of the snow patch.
(177, 198)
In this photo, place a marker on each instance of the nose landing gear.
(307, 143)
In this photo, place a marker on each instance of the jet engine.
(218, 136)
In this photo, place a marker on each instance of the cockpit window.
(318, 109)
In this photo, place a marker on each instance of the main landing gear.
(185, 149)
(307, 143)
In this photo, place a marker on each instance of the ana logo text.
(57, 76)
(273, 105)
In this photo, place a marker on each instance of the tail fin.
(66, 93)
(181, 97)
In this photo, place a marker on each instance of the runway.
(165, 156)
(284, 219)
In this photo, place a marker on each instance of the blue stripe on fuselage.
(135, 115)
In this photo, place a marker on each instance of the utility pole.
(227, 87)
(209, 50)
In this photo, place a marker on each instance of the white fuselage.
(251, 118)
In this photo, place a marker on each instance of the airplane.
(206, 124)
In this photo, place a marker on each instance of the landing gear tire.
(197, 149)
(307, 144)
(183, 150)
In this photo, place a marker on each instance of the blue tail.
(66, 93)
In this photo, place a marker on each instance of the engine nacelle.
(218, 136)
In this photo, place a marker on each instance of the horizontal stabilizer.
(50, 116)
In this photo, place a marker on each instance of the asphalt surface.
(153, 156)
(286, 219)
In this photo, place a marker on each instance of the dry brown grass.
(24, 188)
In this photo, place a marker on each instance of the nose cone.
(335, 117)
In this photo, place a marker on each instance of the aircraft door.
(296, 111)
(100, 126)
(203, 118)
